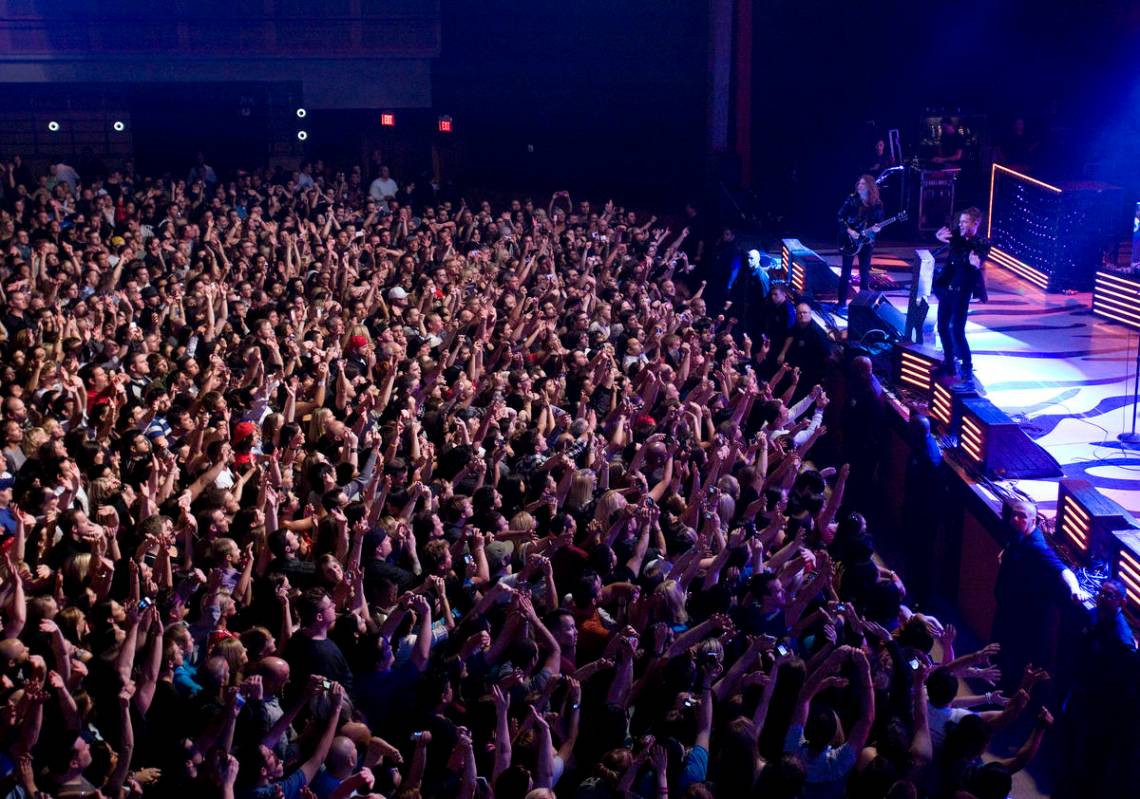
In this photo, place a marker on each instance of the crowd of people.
(317, 487)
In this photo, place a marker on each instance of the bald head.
(1023, 517)
(342, 757)
(217, 668)
(274, 673)
(12, 652)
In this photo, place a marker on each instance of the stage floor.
(1051, 365)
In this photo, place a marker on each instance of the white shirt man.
(384, 187)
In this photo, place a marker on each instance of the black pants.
(952, 309)
(864, 273)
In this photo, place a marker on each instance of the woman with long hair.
(862, 211)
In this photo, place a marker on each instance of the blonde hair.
(611, 501)
(725, 509)
(672, 602)
(319, 422)
(100, 490)
(233, 652)
(581, 489)
(34, 438)
(77, 568)
(523, 522)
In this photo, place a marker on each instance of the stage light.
(808, 275)
(1087, 520)
(302, 135)
(916, 367)
(53, 126)
(1128, 567)
(388, 119)
(301, 112)
(445, 124)
(946, 406)
(119, 126)
(942, 407)
(1117, 297)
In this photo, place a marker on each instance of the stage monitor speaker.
(946, 406)
(916, 366)
(1127, 566)
(999, 447)
(871, 310)
(1087, 519)
(808, 274)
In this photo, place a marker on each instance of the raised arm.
(310, 767)
(861, 729)
(502, 732)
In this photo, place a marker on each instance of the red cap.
(244, 430)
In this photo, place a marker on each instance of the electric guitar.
(850, 246)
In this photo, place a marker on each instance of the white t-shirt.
(938, 717)
(382, 189)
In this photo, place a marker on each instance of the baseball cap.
(7, 482)
(244, 430)
(499, 554)
(397, 293)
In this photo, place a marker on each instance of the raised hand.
(501, 698)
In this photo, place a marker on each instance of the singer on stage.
(958, 281)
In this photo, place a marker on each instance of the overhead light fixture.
(302, 135)
(119, 126)
(53, 126)
(301, 112)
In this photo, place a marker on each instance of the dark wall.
(610, 94)
(831, 74)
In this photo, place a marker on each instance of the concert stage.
(1046, 361)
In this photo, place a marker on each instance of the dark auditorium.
(592, 399)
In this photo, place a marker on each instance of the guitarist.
(958, 281)
(861, 212)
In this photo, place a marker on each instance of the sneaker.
(947, 369)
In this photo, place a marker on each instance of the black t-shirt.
(163, 726)
(378, 569)
(858, 216)
(301, 573)
(808, 349)
(307, 656)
